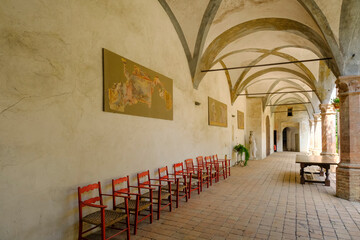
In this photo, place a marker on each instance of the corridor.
(261, 201)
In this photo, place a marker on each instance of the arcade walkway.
(261, 201)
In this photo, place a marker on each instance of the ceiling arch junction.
(231, 33)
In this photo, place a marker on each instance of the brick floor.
(261, 201)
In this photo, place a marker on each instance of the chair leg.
(136, 221)
(170, 203)
(128, 227)
(80, 230)
(158, 210)
(177, 198)
(151, 213)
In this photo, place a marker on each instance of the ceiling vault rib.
(249, 94)
(284, 104)
(268, 64)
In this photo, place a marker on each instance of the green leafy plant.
(336, 100)
(240, 149)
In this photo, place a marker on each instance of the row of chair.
(139, 200)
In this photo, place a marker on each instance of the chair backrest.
(207, 161)
(215, 158)
(200, 162)
(178, 168)
(89, 188)
(163, 173)
(143, 179)
(120, 185)
(189, 165)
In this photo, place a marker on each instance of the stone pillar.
(311, 145)
(317, 134)
(328, 133)
(348, 171)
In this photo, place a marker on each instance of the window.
(290, 112)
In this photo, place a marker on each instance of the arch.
(249, 27)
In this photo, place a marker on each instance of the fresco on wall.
(130, 88)
(217, 113)
(240, 120)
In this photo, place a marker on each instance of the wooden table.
(323, 161)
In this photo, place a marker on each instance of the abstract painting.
(130, 88)
(217, 113)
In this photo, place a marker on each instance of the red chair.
(179, 185)
(219, 167)
(196, 172)
(212, 171)
(102, 218)
(159, 195)
(121, 187)
(193, 184)
(205, 171)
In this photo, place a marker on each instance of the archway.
(291, 139)
(267, 136)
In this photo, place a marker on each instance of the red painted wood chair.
(178, 188)
(212, 171)
(162, 193)
(219, 167)
(227, 163)
(204, 170)
(196, 172)
(137, 207)
(88, 196)
(193, 184)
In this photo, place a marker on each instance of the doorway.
(275, 141)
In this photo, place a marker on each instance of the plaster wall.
(255, 122)
(54, 135)
(299, 120)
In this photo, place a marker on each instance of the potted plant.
(240, 149)
(336, 103)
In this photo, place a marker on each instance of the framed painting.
(217, 113)
(130, 88)
(240, 120)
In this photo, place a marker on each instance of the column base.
(348, 182)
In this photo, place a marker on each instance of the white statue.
(252, 144)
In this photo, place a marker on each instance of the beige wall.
(54, 135)
(299, 120)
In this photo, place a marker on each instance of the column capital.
(311, 121)
(348, 84)
(327, 109)
(317, 117)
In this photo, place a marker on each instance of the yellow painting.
(130, 88)
(240, 120)
(217, 113)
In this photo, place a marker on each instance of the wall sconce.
(197, 103)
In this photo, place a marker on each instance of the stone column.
(311, 145)
(348, 171)
(317, 134)
(328, 133)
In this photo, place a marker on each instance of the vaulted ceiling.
(220, 34)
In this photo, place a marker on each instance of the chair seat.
(163, 195)
(203, 176)
(111, 217)
(132, 205)
(174, 186)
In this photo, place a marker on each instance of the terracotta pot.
(336, 105)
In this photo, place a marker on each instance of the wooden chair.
(102, 218)
(204, 169)
(121, 187)
(212, 171)
(193, 184)
(179, 185)
(159, 195)
(219, 167)
(227, 164)
(196, 172)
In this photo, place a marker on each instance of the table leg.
(321, 172)
(302, 178)
(327, 180)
